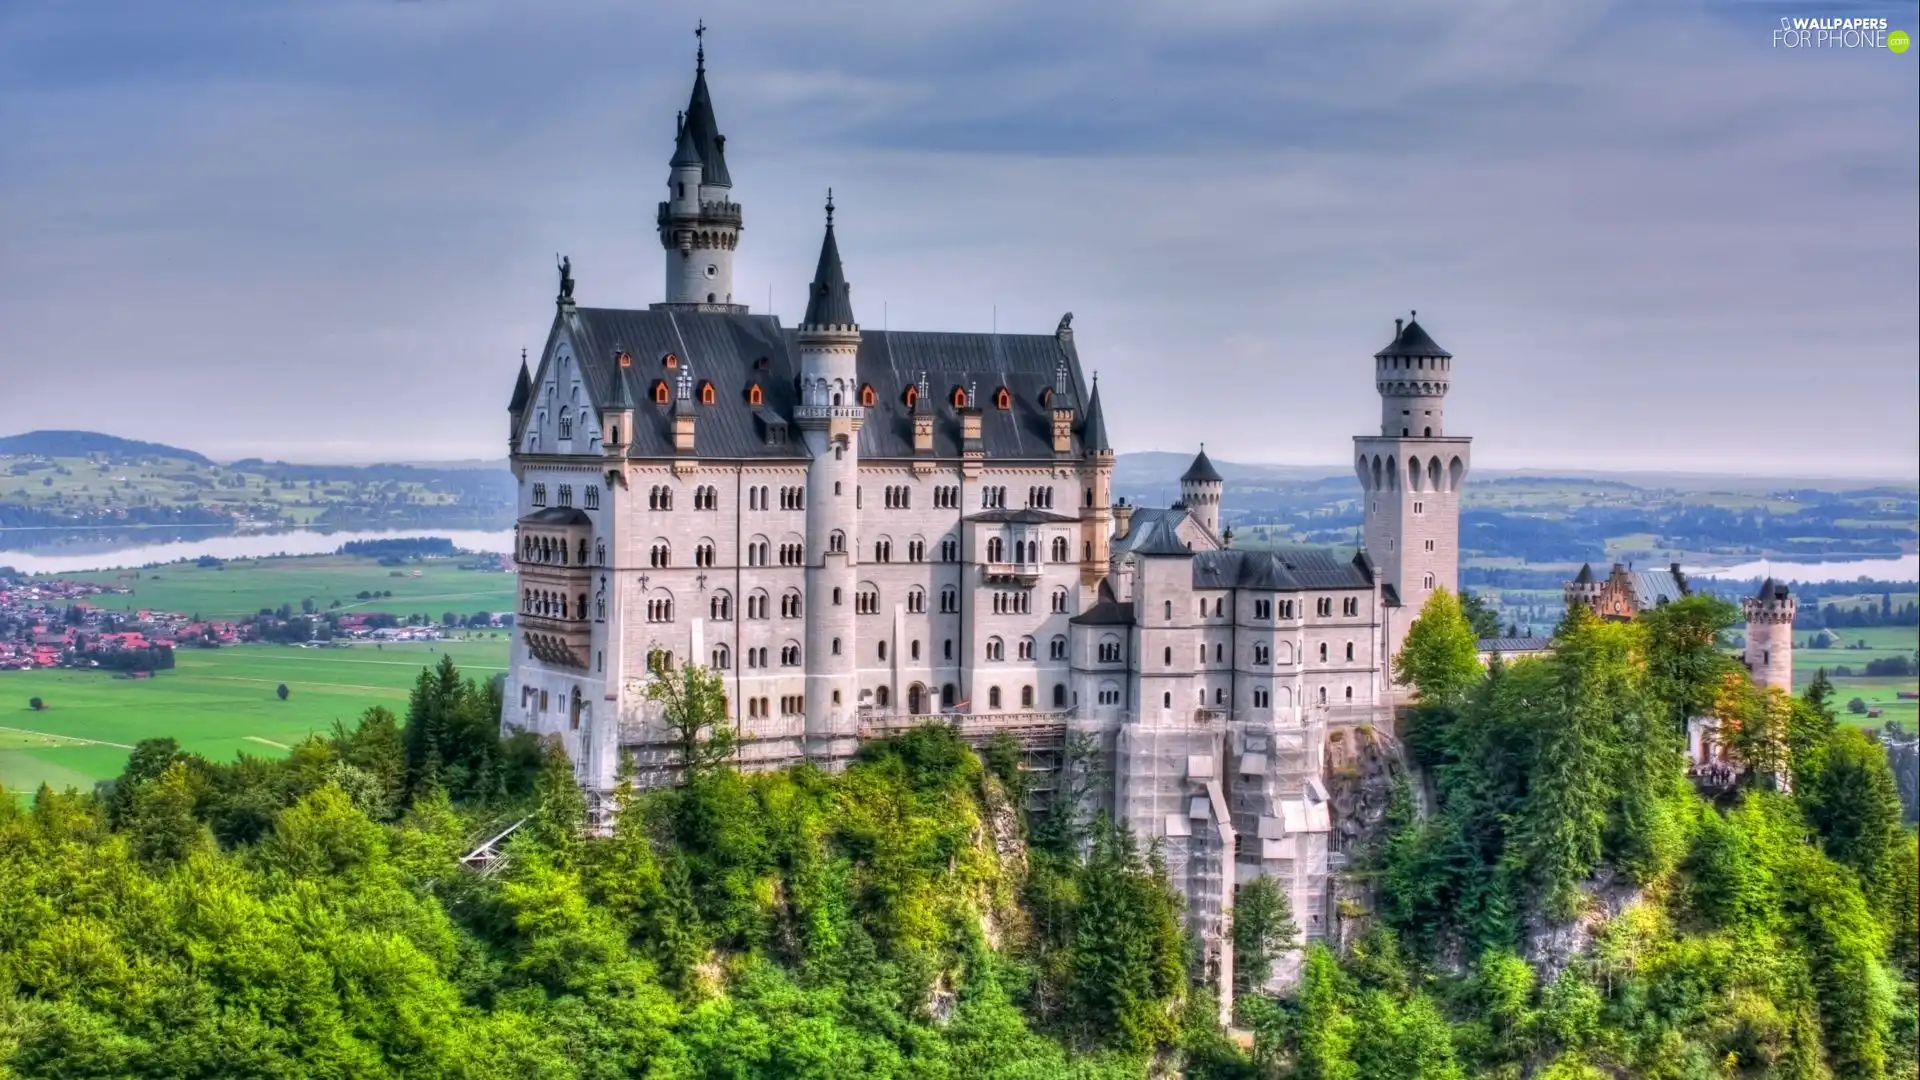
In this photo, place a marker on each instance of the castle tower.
(1769, 654)
(1097, 514)
(1584, 589)
(1411, 475)
(699, 223)
(830, 417)
(1200, 491)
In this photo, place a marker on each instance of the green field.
(244, 586)
(216, 702)
(1878, 693)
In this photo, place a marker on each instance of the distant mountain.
(82, 443)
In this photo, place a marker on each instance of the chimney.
(1398, 326)
(1122, 519)
(970, 424)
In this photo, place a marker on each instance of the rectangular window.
(1429, 545)
(1419, 508)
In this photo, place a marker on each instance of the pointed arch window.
(1046, 398)
(706, 393)
(756, 396)
(1003, 399)
(868, 398)
(670, 361)
(913, 395)
(958, 397)
(660, 393)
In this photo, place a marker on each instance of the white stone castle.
(865, 530)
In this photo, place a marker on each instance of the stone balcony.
(829, 412)
(1015, 573)
(559, 641)
(715, 212)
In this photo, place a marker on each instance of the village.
(61, 623)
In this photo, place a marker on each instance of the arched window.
(994, 549)
(1026, 648)
(755, 396)
(881, 696)
(1057, 648)
(1059, 695)
(1349, 650)
(837, 541)
(867, 397)
(1026, 697)
(949, 600)
(660, 393)
(996, 649)
(1002, 399)
(883, 651)
(566, 423)
(1062, 551)
(1323, 652)
(1323, 695)
(1169, 657)
(1169, 610)
(958, 397)
(720, 606)
(1060, 599)
(912, 395)
(1428, 581)
(707, 395)
(993, 697)
(722, 658)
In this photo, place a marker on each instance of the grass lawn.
(1879, 693)
(242, 587)
(216, 702)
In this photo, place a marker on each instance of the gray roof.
(706, 131)
(1585, 576)
(1288, 568)
(737, 351)
(619, 393)
(1201, 471)
(557, 515)
(1514, 644)
(1107, 612)
(1022, 517)
(1413, 341)
(1769, 590)
(1656, 587)
(829, 299)
(1160, 536)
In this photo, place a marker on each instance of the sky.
(323, 230)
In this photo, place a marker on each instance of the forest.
(1550, 898)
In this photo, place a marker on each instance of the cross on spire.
(700, 50)
(829, 208)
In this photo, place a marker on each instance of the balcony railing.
(1024, 573)
(709, 211)
(829, 412)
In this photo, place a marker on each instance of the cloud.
(326, 229)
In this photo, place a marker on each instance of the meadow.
(1879, 692)
(242, 587)
(217, 702)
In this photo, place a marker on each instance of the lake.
(242, 546)
(1901, 568)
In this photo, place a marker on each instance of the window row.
(553, 551)
(1027, 697)
(553, 605)
(791, 498)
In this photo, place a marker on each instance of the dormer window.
(1003, 399)
(1046, 398)
(959, 397)
(670, 362)
(756, 396)
(867, 397)
(913, 395)
(660, 392)
(706, 393)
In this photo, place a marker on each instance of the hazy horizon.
(324, 232)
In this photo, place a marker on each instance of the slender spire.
(700, 121)
(1094, 435)
(829, 300)
(522, 387)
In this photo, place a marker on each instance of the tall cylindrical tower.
(1769, 654)
(1410, 477)
(830, 417)
(1200, 488)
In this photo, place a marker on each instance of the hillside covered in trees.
(1567, 907)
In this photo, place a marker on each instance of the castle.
(864, 530)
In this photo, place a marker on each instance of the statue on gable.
(566, 278)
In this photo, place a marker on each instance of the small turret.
(616, 413)
(1584, 589)
(517, 404)
(1200, 488)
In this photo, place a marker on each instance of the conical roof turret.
(1094, 435)
(703, 129)
(1202, 470)
(829, 299)
(686, 151)
(1410, 340)
(522, 388)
